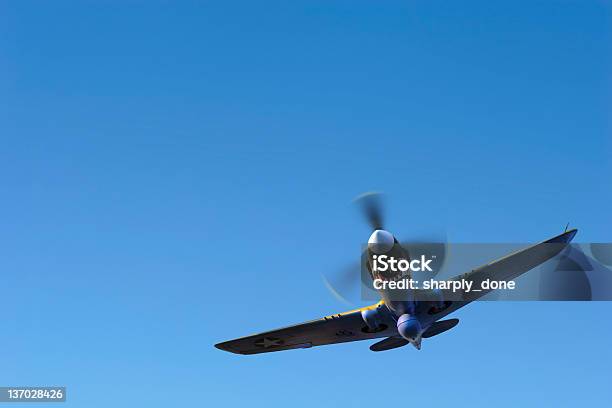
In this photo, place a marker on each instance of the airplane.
(401, 317)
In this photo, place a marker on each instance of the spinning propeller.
(346, 284)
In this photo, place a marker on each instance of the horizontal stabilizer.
(440, 327)
(389, 343)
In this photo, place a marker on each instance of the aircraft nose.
(381, 241)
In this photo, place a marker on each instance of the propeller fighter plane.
(400, 321)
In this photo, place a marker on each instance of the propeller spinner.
(381, 241)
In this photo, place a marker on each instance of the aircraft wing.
(509, 267)
(338, 328)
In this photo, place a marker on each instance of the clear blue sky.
(153, 153)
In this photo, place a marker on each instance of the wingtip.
(571, 233)
(224, 346)
(566, 237)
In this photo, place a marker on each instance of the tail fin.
(440, 327)
(389, 343)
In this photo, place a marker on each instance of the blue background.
(156, 154)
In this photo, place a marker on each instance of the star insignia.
(268, 342)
